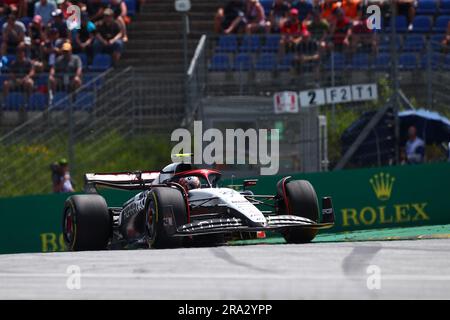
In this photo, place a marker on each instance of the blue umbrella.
(431, 126)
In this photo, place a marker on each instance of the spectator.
(83, 38)
(229, 18)
(278, 14)
(446, 40)
(408, 9)
(21, 6)
(59, 23)
(95, 9)
(36, 34)
(341, 31)
(63, 5)
(292, 32)
(61, 179)
(67, 70)
(363, 37)
(13, 33)
(51, 48)
(255, 18)
(21, 73)
(328, 8)
(352, 9)
(304, 8)
(119, 7)
(319, 29)
(415, 147)
(44, 8)
(109, 36)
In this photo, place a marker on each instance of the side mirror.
(250, 183)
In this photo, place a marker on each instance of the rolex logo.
(382, 185)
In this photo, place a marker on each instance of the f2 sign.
(285, 102)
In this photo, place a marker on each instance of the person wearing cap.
(62, 182)
(59, 23)
(292, 33)
(67, 70)
(21, 72)
(13, 33)
(109, 36)
(51, 47)
(83, 38)
(44, 8)
(341, 31)
(35, 32)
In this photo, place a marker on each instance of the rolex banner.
(386, 197)
(400, 196)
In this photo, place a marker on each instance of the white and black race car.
(181, 205)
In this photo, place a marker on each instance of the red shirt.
(294, 28)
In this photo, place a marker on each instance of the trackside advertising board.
(387, 197)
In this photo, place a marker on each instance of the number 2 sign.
(74, 17)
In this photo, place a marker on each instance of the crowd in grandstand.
(311, 28)
(36, 39)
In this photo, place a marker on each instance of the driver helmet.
(189, 183)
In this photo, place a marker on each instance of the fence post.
(429, 77)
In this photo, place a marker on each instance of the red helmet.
(190, 183)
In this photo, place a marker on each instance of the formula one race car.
(181, 205)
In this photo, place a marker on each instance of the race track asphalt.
(338, 270)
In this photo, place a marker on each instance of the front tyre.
(87, 224)
(299, 198)
(166, 209)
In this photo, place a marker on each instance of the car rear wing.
(120, 180)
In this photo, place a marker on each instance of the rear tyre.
(87, 224)
(166, 209)
(302, 202)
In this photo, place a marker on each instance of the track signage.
(289, 102)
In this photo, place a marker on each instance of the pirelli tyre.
(87, 223)
(301, 200)
(166, 209)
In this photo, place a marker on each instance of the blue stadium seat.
(243, 62)
(427, 7)
(441, 24)
(14, 101)
(266, 62)
(250, 43)
(220, 62)
(101, 62)
(436, 60)
(385, 43)
(85, 101)
(227, 43)
(360, 61)
(41, 79)
(272, 43)
(422, 24)
(286, 62)
(131, 7)
(401, 24)
(383, 61)
(445, 7)
(58, 97)
(436, 41)
(37, 102)
(414, 43)
(407, 61)
(83, 58)
(339, 61)
(87, 77)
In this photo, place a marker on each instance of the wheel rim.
(69, 225)
(150, 224)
